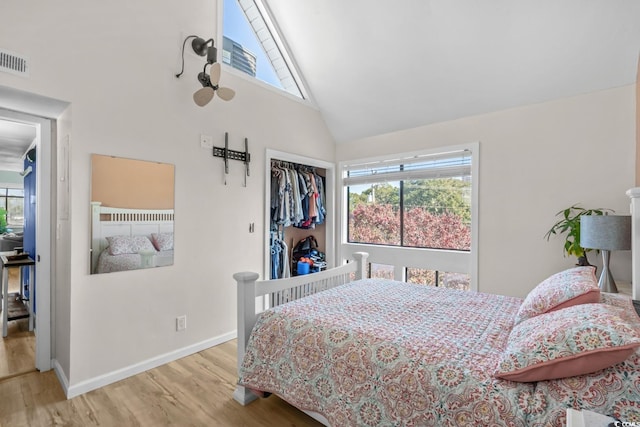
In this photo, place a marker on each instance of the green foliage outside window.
(437, 214)
(3, 220)
(437, 196)
(440, 196)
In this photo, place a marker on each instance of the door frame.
(44, 218)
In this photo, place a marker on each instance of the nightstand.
(624, 288)
(586, 418)
(636, 305)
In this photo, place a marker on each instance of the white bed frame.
(108, 221)
(271, 293)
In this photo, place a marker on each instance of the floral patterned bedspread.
(386, 353)
(108, 263)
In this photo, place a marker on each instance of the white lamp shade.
(605, 232)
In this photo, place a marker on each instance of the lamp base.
(606, 282)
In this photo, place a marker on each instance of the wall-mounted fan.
(210, 81)
(210, 86)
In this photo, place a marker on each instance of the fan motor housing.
(205, 80)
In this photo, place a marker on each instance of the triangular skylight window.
(251, 44)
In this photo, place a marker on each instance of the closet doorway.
(328, 170)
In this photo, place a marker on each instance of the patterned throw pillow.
(574, 286)
(573, 341)
(162, 241)
(119, 245)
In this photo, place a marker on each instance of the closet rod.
(289, 165)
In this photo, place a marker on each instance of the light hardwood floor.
(17, 349)
(193, 391)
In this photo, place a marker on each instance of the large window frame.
(400, 257)
(275, 48)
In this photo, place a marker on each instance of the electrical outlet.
(206, 141)
(181, 323)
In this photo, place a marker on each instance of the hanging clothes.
(320, 200)
(279, 258)
(297, 196)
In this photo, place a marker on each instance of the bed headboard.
(109, 221)
(634, 194)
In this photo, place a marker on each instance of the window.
(252, 45)
(12, 200)
(381, 271)
(443, 279)
(415, 213)
(422, 202)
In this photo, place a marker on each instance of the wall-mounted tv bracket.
(227, 154)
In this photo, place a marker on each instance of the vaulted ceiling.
(375, 67)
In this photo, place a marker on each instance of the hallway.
(17, 350)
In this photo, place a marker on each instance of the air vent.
(13, 63)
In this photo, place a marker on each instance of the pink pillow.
(574, 286)
(577, 340)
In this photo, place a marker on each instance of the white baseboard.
(112, 377)
(62, 378)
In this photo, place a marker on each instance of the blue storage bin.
(303, 268)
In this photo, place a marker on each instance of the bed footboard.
(276, 292)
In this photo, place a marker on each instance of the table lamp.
(606, 233)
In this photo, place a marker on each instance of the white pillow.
(119, 245)
(162, 241)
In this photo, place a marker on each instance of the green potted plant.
(570, 224)
(3, 220)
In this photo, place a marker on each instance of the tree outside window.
(424, 203)
(11, 208)
(427, 213)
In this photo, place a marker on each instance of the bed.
(128, 239)
(379, 352)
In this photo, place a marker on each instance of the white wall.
(535, 161)
(115, 63)
(11, 178)
(61, 283)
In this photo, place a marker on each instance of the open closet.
(299, 204)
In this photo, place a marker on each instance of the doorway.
(41, 202)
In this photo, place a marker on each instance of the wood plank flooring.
(193, 391)
(17, 349)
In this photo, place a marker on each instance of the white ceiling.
(379, 66)
(15, 140)
(16, 137)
